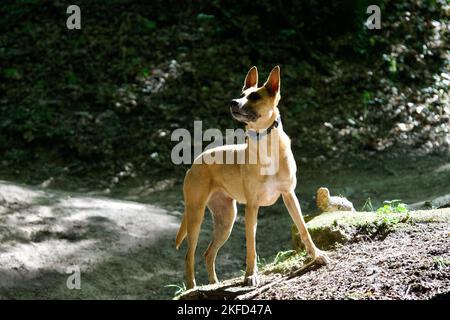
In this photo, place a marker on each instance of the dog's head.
(256, 106)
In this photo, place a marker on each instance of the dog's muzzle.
(241, 113)
(234, 106)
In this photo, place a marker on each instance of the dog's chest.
(269, 191)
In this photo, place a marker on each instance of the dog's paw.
(252, 281)
(321, 258)
(190, 285)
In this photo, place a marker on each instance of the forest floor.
(123, 239)
(411, 262)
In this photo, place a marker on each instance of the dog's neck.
(269, 144)
(259, 134)
(265, 129)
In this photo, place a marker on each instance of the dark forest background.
(86, 118)
(99, 103)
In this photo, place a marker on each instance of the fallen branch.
(311, 266)
(250, 295)
(226, 291)
(299, 272)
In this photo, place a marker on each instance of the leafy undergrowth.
(103, 101)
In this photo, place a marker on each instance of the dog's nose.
(234, 105)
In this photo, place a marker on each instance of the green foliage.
(393, 206)
(392, 65)
(441, 262)
(366, 97)
(80, 101)
(283, 256)
(388, 217)
(12, 73)
(260, 263)
(367, 205)
(284, 261)
(205, 17)
(149, 24)
(179, 289)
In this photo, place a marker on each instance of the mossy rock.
(331, 228)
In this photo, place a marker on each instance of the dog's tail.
(182, 232)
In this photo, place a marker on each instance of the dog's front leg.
(293, 206)
(251, 274)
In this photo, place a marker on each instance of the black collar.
(257, 135)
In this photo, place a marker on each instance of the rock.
(436, 203)
(327, 203)
(331, 228)
(324, 237)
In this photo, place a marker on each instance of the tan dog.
(218, 186)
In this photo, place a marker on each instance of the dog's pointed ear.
(251, 80)
(273, 81)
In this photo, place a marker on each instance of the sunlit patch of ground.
(45, 232)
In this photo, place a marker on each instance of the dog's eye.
(242, 95)
(254, 96)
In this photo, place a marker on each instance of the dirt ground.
(123, 240)
(119, 246)
(411, 263)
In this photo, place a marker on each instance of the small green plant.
(367, 205)
(180, 289)
(284, 262)
(441, 262)
(260, 263)
(283, 256)
(393, 206)
(389, 220)
(389, 215)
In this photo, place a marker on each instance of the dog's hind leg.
(224, 212)
(194, 222)
(196, 194)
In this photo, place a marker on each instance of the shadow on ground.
(119, 246)
(125, 249)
